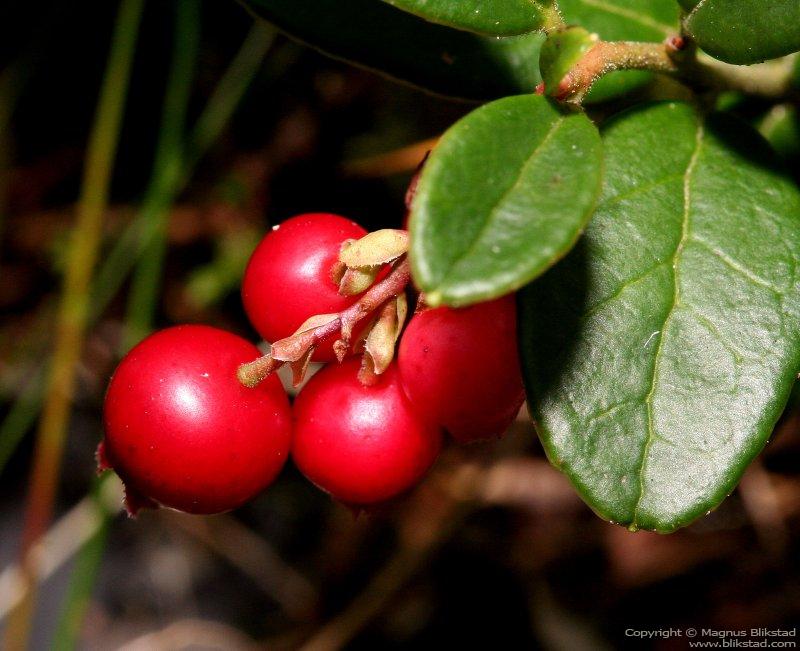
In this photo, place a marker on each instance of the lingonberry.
(362, 444)
(459, 368)
(288, 278)
(180, 430)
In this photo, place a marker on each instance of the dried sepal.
(340, 349)
(366, 374)
(135, 501)
(337, 272)
(380, 342)
(338, 269)
(357, 280)
(376, 248)
(402, 312)
(292, 349)
(320, 327)
(300, 367)
(360, 340)
(314, 322)
(346, 337)
(101, 459)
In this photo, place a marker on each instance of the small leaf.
(503, 196)
(560, 52)
(622, 20)
(376, 248)
(490, 17)
(745, 31)
(660, 353)
(380, 37)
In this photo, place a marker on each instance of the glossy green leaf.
(504, 195)
(490, 17)
(622, 20)
(660, 353)
(745, 31)
(374, 35)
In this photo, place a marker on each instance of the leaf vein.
(639, 189)
(732, 264)
(712, 327)
(651, 433)
(628, 283)
(493, 212)
(612, 409)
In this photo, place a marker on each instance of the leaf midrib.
(642, 19)
(651, 433)
(493, 211)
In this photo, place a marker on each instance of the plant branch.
(677, 58)
(296, 347)
(608, 56)
(167, 170)
(771, 79)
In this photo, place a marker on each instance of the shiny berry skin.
(460, 368)
(181, 430)
(288, 278)
(362, 444)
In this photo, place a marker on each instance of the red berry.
(361, 444)
(460, 368)
(182, 431)
(288, 278)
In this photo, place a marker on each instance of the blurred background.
(168, 137)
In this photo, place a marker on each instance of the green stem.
(146, 284)
(84, 574)
(229, 92)
(163, 189)
(73, 312)
(128, 246)
(21, 416)
(771, 79)
(158, 200)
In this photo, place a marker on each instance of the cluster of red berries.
(182, 431)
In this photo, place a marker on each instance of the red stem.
(251, 373)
